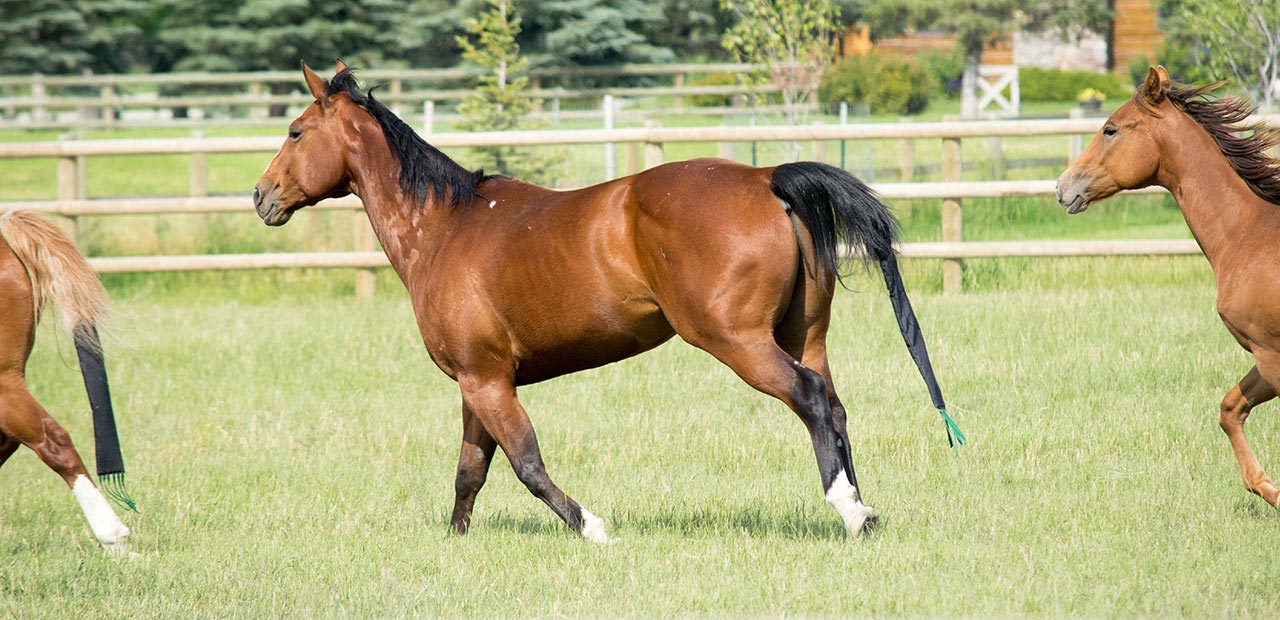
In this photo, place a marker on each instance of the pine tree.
(500, 100)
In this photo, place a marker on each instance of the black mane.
(424, 169)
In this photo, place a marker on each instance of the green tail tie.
(113, 484)
(955, 437)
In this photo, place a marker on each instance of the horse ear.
(314, 82)
(1156, 86)
(342, 66)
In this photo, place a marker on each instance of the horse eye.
(1109, 131)
(294, 134)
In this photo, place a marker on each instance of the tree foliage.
(500, 100)
(1239, 39)
(58, 36)
(792, 39)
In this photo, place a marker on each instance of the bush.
(713, 79)
(1038, 84)
(888, 84)
(947, 69)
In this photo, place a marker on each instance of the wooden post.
(633, 157)
(428, 117)
(907, 157)
(653, 154)
(198, 179)
(69, 187)
(108, 104)
(995, 148)
(364, 242)
(725, 150)
(679, 98)
(952, 269)
(535, 84)
(38, 112)
(257, 111)
(818, 148)
(1075, 143)
(610, 149)
(396, 87)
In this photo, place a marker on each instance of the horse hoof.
(863, 523)
(869, 526)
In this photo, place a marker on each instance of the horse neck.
(1219, 207)
(400, 223)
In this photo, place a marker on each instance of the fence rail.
(72, 154)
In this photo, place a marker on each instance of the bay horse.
(39, 264)
(512, 283)
(1228, 188)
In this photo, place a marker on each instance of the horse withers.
(39, 264)
(1228, 188)
(512, 283)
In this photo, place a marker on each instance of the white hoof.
(593, 528)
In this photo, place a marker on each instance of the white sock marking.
(593, 528)
(842, 496)
(102, 519)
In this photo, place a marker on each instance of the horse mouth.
(1077, 205)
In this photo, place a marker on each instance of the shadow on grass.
(762, 522)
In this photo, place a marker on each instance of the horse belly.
(576, 341)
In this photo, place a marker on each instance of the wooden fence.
(100, 98)
(72, 155)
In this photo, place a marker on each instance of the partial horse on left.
(39, 264)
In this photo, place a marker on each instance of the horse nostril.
(257, 197)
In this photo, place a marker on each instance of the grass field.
(293, 455)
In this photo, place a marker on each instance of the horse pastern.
(593, 529)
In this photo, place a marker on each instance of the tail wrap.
(838, 208)
(59, 274)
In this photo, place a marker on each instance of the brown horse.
(513, 283)
(39, 264)
(1228, 188)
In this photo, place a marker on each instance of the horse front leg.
(473, 468)
(1253, 390)
(494, 402)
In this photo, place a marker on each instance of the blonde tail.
(58, 272)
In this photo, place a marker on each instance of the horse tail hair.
(58, 273)
(838, 209)
(61, 275)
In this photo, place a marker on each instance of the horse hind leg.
(23, 419)
(765, 366)
(1252, 391)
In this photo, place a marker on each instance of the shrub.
(713, 79)
(947, 69)
(888, 84)
(1038, 84)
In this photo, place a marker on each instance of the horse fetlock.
(593, 528)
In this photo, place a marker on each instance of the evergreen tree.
(500, 100)
(592, 32)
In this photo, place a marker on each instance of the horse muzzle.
(267, 204)
(1070, 194)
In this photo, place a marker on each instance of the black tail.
(838, 208)
(107, 442)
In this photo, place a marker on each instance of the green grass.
(293, 455)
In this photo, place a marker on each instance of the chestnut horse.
(39, 264)
(1228, 188)
(513, 283)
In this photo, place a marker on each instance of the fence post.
(108, 104)
(535, 84)
(819, 147)
(69, 187)
(679, 98)
(257, 111)
(995, 148)
(198, 178)
(38, 112)
(633, 158)
(396, 87)
(653, 155)
(610, 149)
(1075, 143)
(428, 117)
(907, 157)
(725, 150)
(364, 242)
(952, 269)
